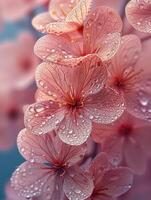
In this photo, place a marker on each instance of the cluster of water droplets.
(75, 133)
(74, 191)
(42, 118)
(32, 190)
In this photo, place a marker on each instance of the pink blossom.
(51, 169)
(129, 29)
(17, 58)
(101, 36)
(116, 4)
(128, 139)
(63, 16)
(17, 9)
(71, 98)
(129, 74)
(109, 182)
(141, 187)
(11, 116)
(139, 14)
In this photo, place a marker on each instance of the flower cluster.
(93, 91)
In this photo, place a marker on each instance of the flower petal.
(39, 149)
(61, 27)
(92, 75)
(60, 49)
(58, 9)
(108, 46)
(104, 107)
(117, 181)
(59, 81)
(127, 55)
(131, 150)
(101, 22)
(78, 184)
(74, 129)
(99, 164)
(113, 146)
(41, 96)
(41, 21)
(43, 117)
(69, 154)
(138, 13)
(79, 13)
(98, 167)
(31, 179)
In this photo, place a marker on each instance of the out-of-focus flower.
(11, 116)
(101, 36)
(138, 13)
(116, 4)
(63, 16)
(17, 63)
(129, 73)
(109, 182)
(17, 9)
(125, 140)
(71, 98)
(141, 189)
(51, 169)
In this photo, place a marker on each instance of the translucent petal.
(127, 55)
(36, 149)
(117, 181)
(79, 13)
(43, 117)
(78, 184)
(101, 22)
(58, 49)
(138, 13)
(74, 129)
(59, 81)
(31, 179)
(104, 107)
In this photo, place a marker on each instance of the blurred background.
(17, 86)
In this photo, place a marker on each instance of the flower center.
(60, 169)
(26, 65)
(13, 114)
(125, 129)
(75, 104)
(126, 80)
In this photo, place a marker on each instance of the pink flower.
(116, 4)
(17, 9)
(101, 36)
(71, 98)
(11, 116)
(63, 16)
(139, 14)
(51, 169)
(17, 63)
(128, 139)
(109, 182)
(141, 187)
(129, 29)
(129, 74)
